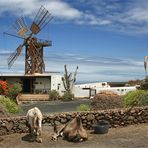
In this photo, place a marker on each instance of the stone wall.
(116, 117)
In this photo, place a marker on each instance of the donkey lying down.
(34, 118)
(72, 131)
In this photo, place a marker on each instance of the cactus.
(69, 79)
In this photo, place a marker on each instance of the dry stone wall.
(116, 117)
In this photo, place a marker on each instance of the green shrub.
(54, 95)
(144, 84)
(68, 96)
(10, 105)
(83, 107)
(136, 98)
(14, 90)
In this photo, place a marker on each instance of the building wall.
(42, 83)
(81, 93)
(103, 86)
(93, 85)
(57, 84)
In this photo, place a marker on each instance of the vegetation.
(54, 95)
(144, 84)
(83, 107)
(10, 90)
(13, 90)
(3, 87)
(136, 98)
(68, 96)
(10, 106)
(134, 82)
(106, 100)
(146, 79)
(68, 82)
(3, 112)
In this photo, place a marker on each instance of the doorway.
(27, 85)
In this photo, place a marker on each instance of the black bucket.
(101, 127)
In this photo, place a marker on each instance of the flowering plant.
(9, 90)
(14, 90)
(3, 87)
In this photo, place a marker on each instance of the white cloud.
(58, 8)
(126, 16)
(130, 17)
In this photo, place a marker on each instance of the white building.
(93, 85)
(43, 83)
(89, 89)
(36, 83)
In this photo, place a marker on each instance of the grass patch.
(10, 106)
(83, 107)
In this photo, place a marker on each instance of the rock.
(90, 117)
(44, 121)
(132, 111)
(68, 117)
(3, 124)
(9, 126)
(130, 118)
(84, 121)
(57, 122)
(63, 120)
(83, 117)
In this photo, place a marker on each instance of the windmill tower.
(34, 62)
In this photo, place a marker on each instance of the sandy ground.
(135, 136)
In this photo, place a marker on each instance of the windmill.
(34, 62)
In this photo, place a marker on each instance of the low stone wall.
(116, 117)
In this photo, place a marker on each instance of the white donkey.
(34, 117)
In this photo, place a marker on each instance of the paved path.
(54, 106)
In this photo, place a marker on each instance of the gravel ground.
(134, 136)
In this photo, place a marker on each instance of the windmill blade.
(6, 33)
(14, 56)
(20, 26)
(41, 19)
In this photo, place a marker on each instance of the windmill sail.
(14, 56)
(41, 20)
(20, 26)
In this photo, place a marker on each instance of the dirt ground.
(134, 136)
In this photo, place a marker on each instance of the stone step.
(32, 97)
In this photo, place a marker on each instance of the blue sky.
(107, 39)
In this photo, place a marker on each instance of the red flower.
(3, 87)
